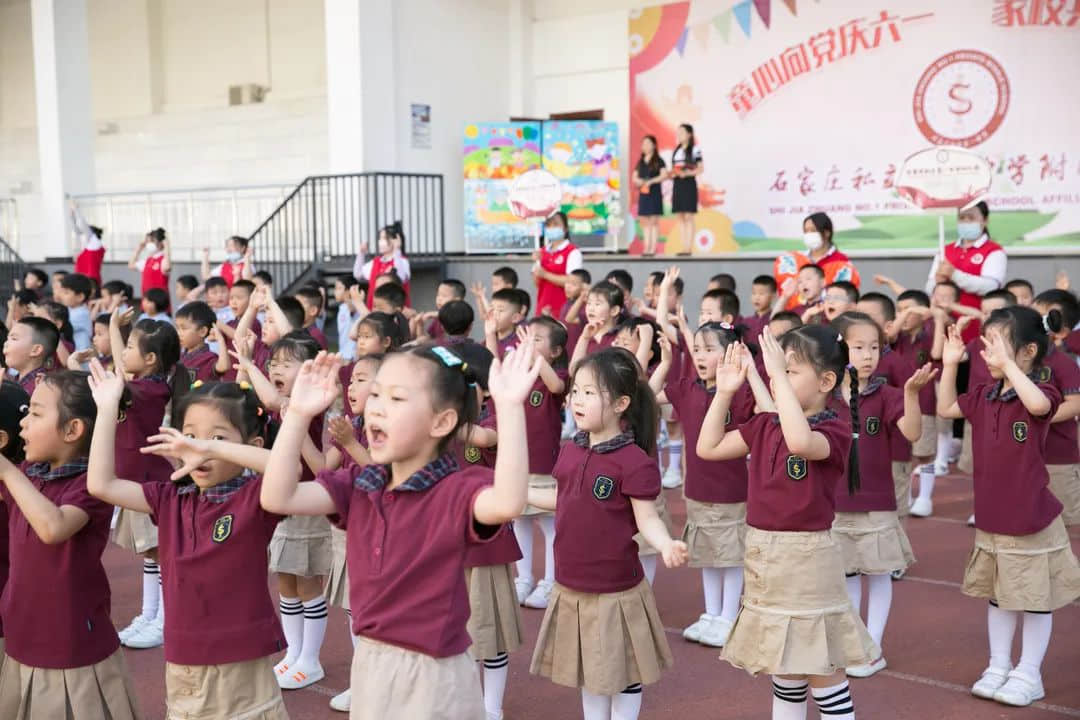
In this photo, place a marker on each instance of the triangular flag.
(741, 12)
(791, 6)
(681, 45)
(764, 8)
(701, 35)
(722, 23)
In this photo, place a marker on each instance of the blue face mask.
(553, 234)
(968, 230)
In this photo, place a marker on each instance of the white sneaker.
(693, 633)
(865, 671)
(971, 520)
(922, 507)
(300, 677)
(538, 598)
(1020, 689)
(150, 635)
(898, 574)
(342, 701)
(991, 680)
(133, 628)
(672, 477)
(523, 587)
(942, 469)
(716, 633)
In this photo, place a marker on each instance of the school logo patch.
(1044, 374)
(923, 357)
(223, 528)
(796, 467)
(1020, 431)
(602, 487)
(535, 398)
(472, 454)
(873, 425)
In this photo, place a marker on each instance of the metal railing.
(9, 222)
(12, 268)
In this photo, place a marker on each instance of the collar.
(983, 239)
(376, 477)
(218, 493)
(822, 416)
(875, 382)
(39, 370)
(199, 350)
(41, 470)
(621, 440)
(995, 391)
(558, 246)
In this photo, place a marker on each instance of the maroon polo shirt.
(896, 370)
(755, 325)
(56, 602)
(1061, 371)
(200, 363)
(1072, 342)
(1012, 494)
(787, 492)
(573, 330)
(30, 380)
(4, 563)
(212, 551)
(599, 342)
(141, 419)
(507, 343)
(978, 372)
(315, 432)
(406, 554)
(915, 352)
(710, 481)
(543, 424)
(475, 456)
(594, 521)
(880, 407)
(317, 335)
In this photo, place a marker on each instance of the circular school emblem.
(1020, 431)
(222, 528)
(535, 398)
(602, 487)
(796, 467)
(1044, 374)
(873, 425)
(472, 454)
(923, 357)
(977, 259)
(961, 99)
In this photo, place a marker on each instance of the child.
(29, 347)
(783, 322)
(803, 292)
(312, 301)
(1022, 291)
(63, 657)
(718, 306)
(103, 343)
(283, 315)
(797, 622)
(35, 280)
(155, 305)
(455, 322)
(603, 309)
(75, 292)
(762, 297)
(503, 278)
(217, 297)
(116, 294)
(213, 536)
(408, 595)
(14, 404)
(601, 631)
(157, 264)
(378, 333)
(840, 297)
(237, 263)
(623, 280)
(195, 324)
(867, 527)
(20, 305)
(726, 281)
(239, 298)
(186, 285)
(346, 315)
(500, 326)
(57, 277)
(1022, 560)
(389, 298)
(449, 290)
(58, 315)
(572, 314)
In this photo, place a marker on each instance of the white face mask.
(812, 240)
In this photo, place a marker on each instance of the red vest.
(548, 294)
(378, 267)
(88, 263)
(970, 260)
(231, 272)
(152, 275)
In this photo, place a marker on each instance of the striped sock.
(151, 588)
(292, 622)
(348, 622)
(789, 699)
(835, 702)
(315, 613)
(496, 670)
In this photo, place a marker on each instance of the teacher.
(821, 251)
(553, 264)
(686, 165)
(391, 257)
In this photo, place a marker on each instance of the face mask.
(152, 248)
(968, 230)
(812, 240)
(234, 257)
(554, 233)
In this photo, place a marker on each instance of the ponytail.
(643, 416)
(853, 454)
(618, 374)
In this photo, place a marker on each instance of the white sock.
(348, 622)
(835, 702)
(877, 606)
(854, 592)
(789, 699)
(627, 704)
(595, 707)
(1001, 626)
(675, 455)
(712, 582)
(733, 582)
(1037, 628)
(315, 613)
(292, 623)
(495, 671)
(944, 446)
(648, 564)
(547, 526)
(161, 600)
(151, 588)
(926, 483)
(523, 531)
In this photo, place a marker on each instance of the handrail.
(183, 189)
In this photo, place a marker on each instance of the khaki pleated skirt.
(1033, 572)
(92, 692)
(235, 691)
(134, 531)
(872, 543)
(715, 534)
(494, 620)
(1065, 484)
(539, 482)
(796, 617)
(601, 642)
(391, 682)
(337, 586)
(301, 546)
(966, 462)
(644, 548)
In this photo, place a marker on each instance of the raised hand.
(479, 291)
(122, 318)
(356, 295)
(920, 378)
(341, 430)
(106, 387)
(773, 355)
(789, 288)
(954, 351)
(996, 351)
(1061, 280)
(171, 443)
(589, 330)
(316, 385)
(731, 370)
(675, 554)
(645, 333)
(490, 326)
(665, 348)
(511, 379)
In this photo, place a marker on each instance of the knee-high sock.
(675, 455)
(151, 588)
(926, 482)
(314, 631)
(348, 623)
(733, 582)
(292, 623)
(789, 699)
(523, 531)
(712, 582)
(1037, 627)
(834, 702)
(854, 592)
(595, 707)
(627, 704)
(1001, 626)
(495, 671)
(547, 526)
(648, 564)
(944, 446)
(161, 599)
(878, 605)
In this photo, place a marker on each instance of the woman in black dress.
(686, 165)
(648, 175)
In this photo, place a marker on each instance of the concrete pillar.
(520, 66)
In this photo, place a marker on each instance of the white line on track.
(1058, 709)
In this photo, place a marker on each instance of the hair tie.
(464, 367)
(447, 358)
(196, 384)
(1046, 323)
(244, 385)
(726, 326)
(839, 337)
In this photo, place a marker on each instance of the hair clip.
(244, 385)
(464, 367)
(727, 326)
(839, 337)
(448, 358)
(196, 384)
(1046, 323)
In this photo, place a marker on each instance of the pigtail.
(643, 416)
(853, 454)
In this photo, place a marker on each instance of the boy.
(427, 325)
(311, 299)
(57, 278)
(762, 297)
(500, 327)
(726, 281)
(572, 314)
(808, 287)
(116, 294)
(35, 280)
(1022, 291)
(217, 297)
(186, 289)
(19, 306)
(282, 317)
(389, 298)
(623, 280)
(239, 299)
(346, 314)
(503, 278)
(840, 297)
(456, 318)
(783, 321)
(194, 325)
(74, 293)
(155, 305)
(721, 306)
(29, 346)
(652, 286)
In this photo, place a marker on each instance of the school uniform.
(135, 531)
(1022, 558)
(506, 344)
(317, 335)
(4, 568)
(684, 191)
(301, 544)
(337, 585)
(1062, 452)
(573, 330)
(796, 617)
(201, 363)
(755, 325)
(543, 426)
(63, 654)
(221, 627)
(651, 199)
(30, 380)
(601, 630)
(978, 373)
(896, 365)
(866, 526)
(599, 342)
(406, 550)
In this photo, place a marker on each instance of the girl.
(410, 519)
(601, 631)
(14, 403)
(602, 309)
(1022, 560)
(149, 356)
(867, 527)
(686, 165)
(648, 175)
(213, 536)
(59, 316)
(391, 257)
(377, 333)
(543, 423)
(63, 657)
(797, 622)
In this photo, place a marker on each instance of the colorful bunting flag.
(681, 44)
(741, 11)
(722, 23)
(764, 10)
(791, 6)
(701, 34)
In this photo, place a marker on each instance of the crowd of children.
(402, 478)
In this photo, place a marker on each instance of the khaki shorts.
(1065, 484)
(932, 426)
(715, 534)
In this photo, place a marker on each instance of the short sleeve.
(752, 429)
(893, 402)
(839, 435)
(1067, 377)
(697, 154)
(154, 493)
(1054, 396)
(642, 482)
(677, 391)
(77, 495)
(339, 484)
(742, 405)
(969, 401)
(574, 261)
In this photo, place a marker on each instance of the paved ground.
(935, 644)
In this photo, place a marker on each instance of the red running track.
(935, 645)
